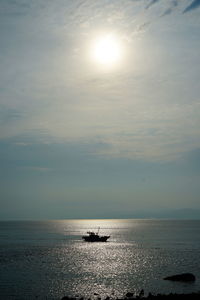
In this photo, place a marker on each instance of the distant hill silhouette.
(184, 213)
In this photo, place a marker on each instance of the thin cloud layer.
(152, 2)
(76, 137)
(56, 90)
(194, 5)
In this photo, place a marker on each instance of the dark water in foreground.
(47, 260)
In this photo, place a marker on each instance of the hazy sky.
(78, 140)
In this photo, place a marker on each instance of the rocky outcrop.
(129, 295)
(193, 296)
(185, 277)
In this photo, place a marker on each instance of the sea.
(49, 259)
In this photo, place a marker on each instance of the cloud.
(152, 3)
(22, 144)
(14, 8)
(191, 160)
(195, 4)
(167, 12)
(38, 169)
(175, 3)
(8, 114)
(114, 109)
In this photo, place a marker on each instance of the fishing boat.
(95, 237)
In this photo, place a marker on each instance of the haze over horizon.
(91, 136)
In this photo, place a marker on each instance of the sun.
(106, 50)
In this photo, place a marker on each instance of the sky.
(79, 139)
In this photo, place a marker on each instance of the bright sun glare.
(107, 50)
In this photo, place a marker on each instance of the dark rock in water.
(129, 295)
(186, 277)
(141, 294)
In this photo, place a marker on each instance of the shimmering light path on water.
(49, 259)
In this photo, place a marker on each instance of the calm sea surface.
(48, 260)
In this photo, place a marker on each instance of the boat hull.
(95, 238)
